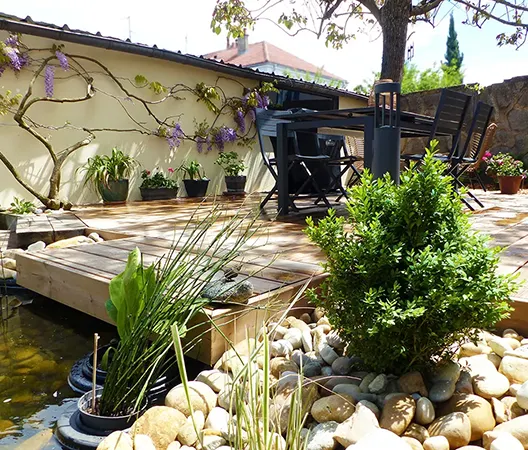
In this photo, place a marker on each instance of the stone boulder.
(358, 425)
(336, 408)
(70, 242)
(202, 398)
(397, 413)
(517, 427)
(455, 427)
(118, 440)
(161, 423)
(381, 439)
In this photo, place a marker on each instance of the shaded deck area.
(279, 260)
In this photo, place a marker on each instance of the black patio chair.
(449, 119)
(311, 164)
(472, 150)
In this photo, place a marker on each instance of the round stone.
(471, 349)
(381, 439)
(282, 347)
(280, 365)
(328, 354)
(305, 317)
(515, 368)
(506, 441)
(442, 390)
(201, 396)
(294, 337)
(356, 427)
(215, 379)
(411, 383)
(517, 427)
(378, 384)
(321, 437)
(335, 408)
(327, 371)
(436, 443)
(456, 427)
(397, 413)
(425, 412)
(522, 395)
(413, 443)
(417, 432)
(342, 365)
(312, 369)
(161, 423)
(500, 345)
(218, 420)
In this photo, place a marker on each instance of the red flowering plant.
(503, 165)
(157, 179)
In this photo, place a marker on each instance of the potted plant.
(233, 167)
(109, 175)
(196, 182)
(158, 186)
(507, 169)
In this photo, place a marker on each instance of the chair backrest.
(331, 145)
(477, 131)
(486, 145)
(266, 123)
(450, 115)
(356, 146)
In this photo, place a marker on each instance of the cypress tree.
(453, 55)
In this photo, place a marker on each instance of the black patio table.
(355, 119)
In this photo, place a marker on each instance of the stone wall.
(510, 102)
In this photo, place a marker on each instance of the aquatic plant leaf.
(111, 310)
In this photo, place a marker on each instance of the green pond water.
(39, 342)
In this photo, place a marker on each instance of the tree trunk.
(394, 22)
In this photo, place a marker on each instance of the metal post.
(282, 168)
(387, 131)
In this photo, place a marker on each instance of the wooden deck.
(279, 260)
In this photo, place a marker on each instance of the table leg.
(368, 138)
(282, 168)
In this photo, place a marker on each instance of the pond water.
(39, 341)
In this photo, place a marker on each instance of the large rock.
(8, 263)
(70, 242)
(476, 408)
(281, 364)
(456, 427)
(335, 408)
(118, 440)
(143, 442)
(201, 396)
(517, 427)
(6, 274)
(500, 345)
(413, 443)
(442, 390)
(499, 411)
(218, 420)
(397, 413)
(381, 439)
(491, 384)
(226, 290)
(417, 432)
(358, 425)
(506, 441)
(321, 437)
(514, 368)
(36, 246)
(513, 409)
(280, 405)
(161, 423)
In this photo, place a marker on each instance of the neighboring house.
(268, 58)
(126, 60)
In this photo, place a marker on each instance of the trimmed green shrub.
(408, 278)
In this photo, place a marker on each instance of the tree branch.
(488, 15)
(372, 7)
(425, 7)
(63, 154)
(17, 177)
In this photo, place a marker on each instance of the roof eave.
(107, 43)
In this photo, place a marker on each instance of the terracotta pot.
(510, 184)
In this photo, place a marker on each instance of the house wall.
(510, 102)
(30, 157)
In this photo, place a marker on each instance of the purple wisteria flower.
(200, 141)
(252, 115)
(63, 60)
(224, 135)
(49, 78)
(14, 58)
(174, 137)
(12, 40)
(240, 120)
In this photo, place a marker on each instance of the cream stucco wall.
(104, 111)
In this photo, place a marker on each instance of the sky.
(184, 25)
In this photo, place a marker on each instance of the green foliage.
(234, 16)
(415, 80)
(158, 179)
(141, 81)
(231, 164)
(208, 94)
(453, 56)
(165, 294)
(8, 101)
(193, 170)
(103, 169)
(503, 165)
(20, 206)
(408, 277)
(128, 291)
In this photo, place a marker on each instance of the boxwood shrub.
(408, 277)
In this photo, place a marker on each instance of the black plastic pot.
(113, 191)
(158, 193)
(104, 423)
(196, 188)
(235, 184)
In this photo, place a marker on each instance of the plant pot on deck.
(158, 193)
(104, 423)
(235, 184)
(196, 188)
(510, 184)
(113, 191)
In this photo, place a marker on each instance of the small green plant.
(193, 170)
(100, 170)
(19, 206)
(503, 165)
(408, 278)
(158, 179)
(230, 163)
